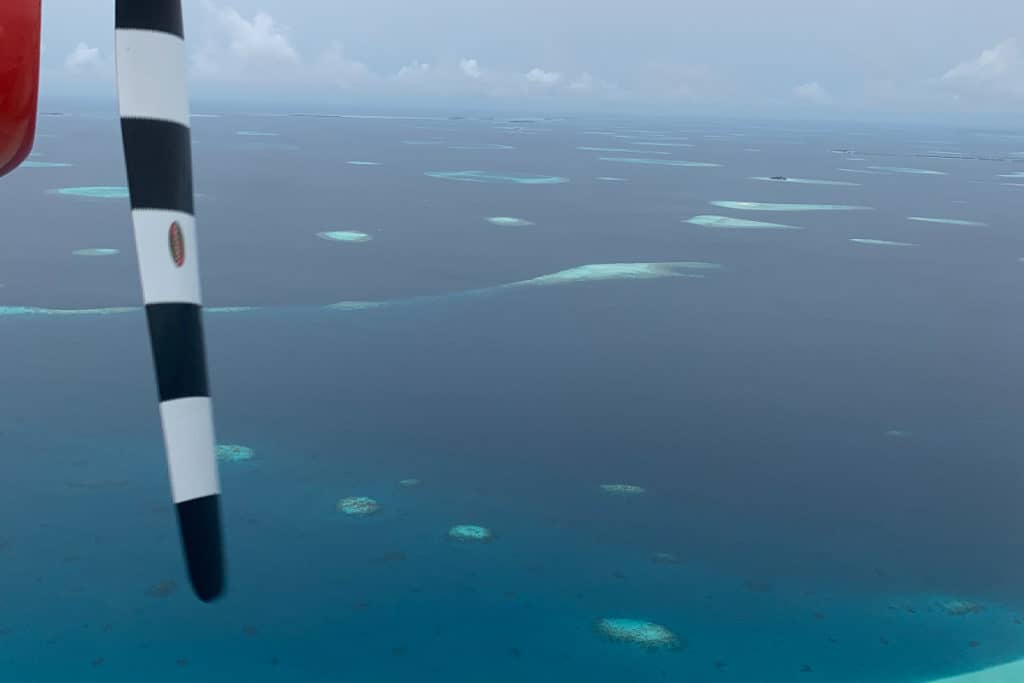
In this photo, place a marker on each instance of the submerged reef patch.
(881, 243)
(730, 223)
(358, 506)
(470, 533)
(96, 252)
(256, 133)
(612, 179)
(862, 170)
(661, 162)
(34, 311)
(344, 236)
(483, 146)
(646, 634)
(230, 452)
(619, 149)
(623, 489)
(95, 191)
(363, 163)
(959, 608)
(767, 206)
(44, 164)
(910, 171)
(804, 181)
(947, 221)
(509, 221)
(488, 177)
(619, 271)
(409, 483)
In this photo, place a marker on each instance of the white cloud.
(236, 48)
(541, 77)
(336, 68)
(470, 68)
(413, 71)
(997, 71)
(83, 58)
(812, 92)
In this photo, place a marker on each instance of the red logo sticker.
(177, 243)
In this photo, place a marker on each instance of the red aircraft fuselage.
(19, 79)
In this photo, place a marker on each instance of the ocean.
(823, 435)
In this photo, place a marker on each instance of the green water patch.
(489, 177)
(230, 309)
(648, 143)
(509, 221)
(363, 163)
(480, 147)
(903, 169)
(594, 272)
(763, 206)
(344, 236)
(34, 311)
(660, 162)
(470, 533)
(96, 252)
(622, 150)
(44, 164)
(863, 171)
(804, 181)
(947, 221)
(95, 191)
(637, 632)
(881, 243)
(729, 223)
(230, 452)
(623, 489)
(358, 506)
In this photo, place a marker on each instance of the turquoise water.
(811, 444)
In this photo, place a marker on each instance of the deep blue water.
(754, 405)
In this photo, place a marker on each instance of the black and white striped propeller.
(153, 103)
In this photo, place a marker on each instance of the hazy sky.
(795, 56)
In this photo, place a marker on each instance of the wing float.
(153, 104)
(19, 79)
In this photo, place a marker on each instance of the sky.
(808, 58)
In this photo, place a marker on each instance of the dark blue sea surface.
(828, 433)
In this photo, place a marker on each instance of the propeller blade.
(153, 103)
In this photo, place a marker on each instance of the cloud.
(812, 92)
(470, 68)
(236, 48)
(996, 72)
(541, 77)
(83, 58)
(335, 68)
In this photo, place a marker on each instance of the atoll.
(229, 452)
(768, 206)
(358, 506)
(729, 223)
(646, 634)
(623, 489)
(470, 533)
(344, 236)
(488, 177)
(509, 221)
(96, 252)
